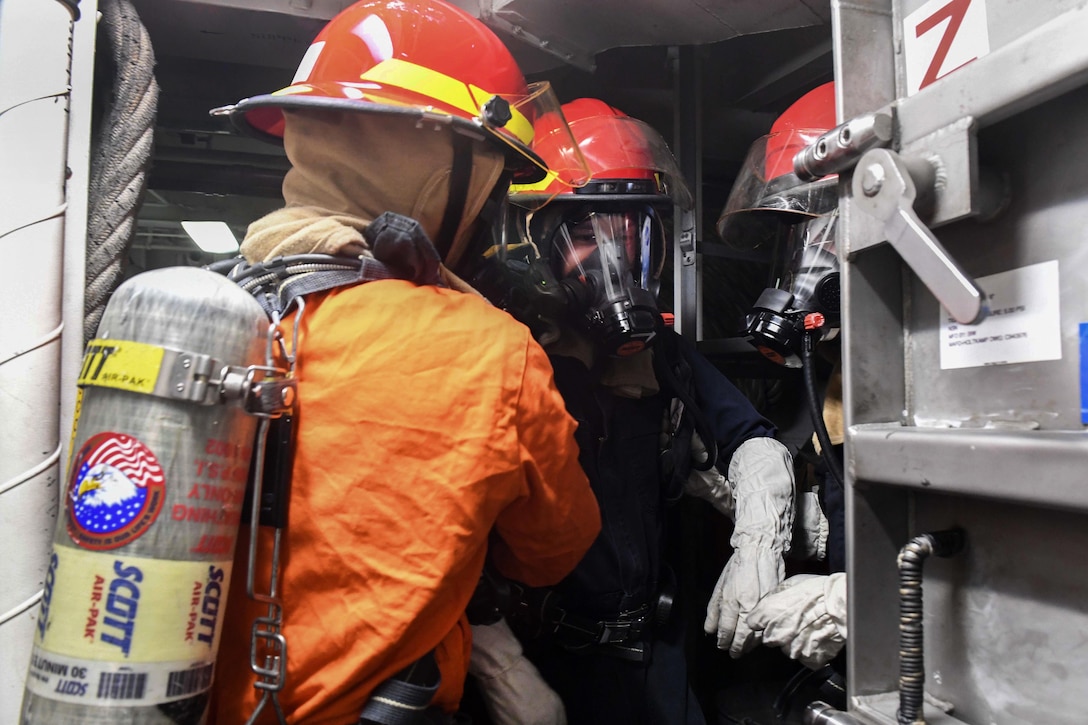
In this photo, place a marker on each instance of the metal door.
(973, 426)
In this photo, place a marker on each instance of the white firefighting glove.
(761, 478)
(810, 524)
(810, 528)
(805, 618)
(709, 485)
(513, 691)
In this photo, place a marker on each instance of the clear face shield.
(548, 130)
(617, 257)
(810, 284)
(766, 189)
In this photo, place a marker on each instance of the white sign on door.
(942, 36)
(1024, 324)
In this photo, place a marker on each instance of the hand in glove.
(709, 485)
(805, 618)
(761, 480)
(810, 524)
(514, 693)
(810, 528)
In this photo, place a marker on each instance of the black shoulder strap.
(402, 250)
(278, 283)
(460, 176)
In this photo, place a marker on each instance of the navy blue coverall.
(642, 678)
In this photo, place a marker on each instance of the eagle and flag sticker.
(116, 491)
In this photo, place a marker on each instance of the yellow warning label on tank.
(112, 607)
(123, 364)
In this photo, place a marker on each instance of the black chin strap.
(489, 216)
(491, 212)
(460, 176)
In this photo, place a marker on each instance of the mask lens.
(576, 243)
(613, 260)
(620, 249)
(812, 260)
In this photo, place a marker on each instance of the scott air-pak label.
(127, 630)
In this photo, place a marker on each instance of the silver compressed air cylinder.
(137, 581)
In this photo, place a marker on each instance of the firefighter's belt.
(626, 635)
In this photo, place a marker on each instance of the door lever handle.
(884, 187)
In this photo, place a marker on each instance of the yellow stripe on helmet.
(457, 94)
(537, 187)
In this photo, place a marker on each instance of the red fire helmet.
(799, 126)
(419, 58)
(767, 183)
(627, 159)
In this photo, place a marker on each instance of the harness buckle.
(628, 626)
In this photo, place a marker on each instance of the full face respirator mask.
(595, 271)
(616, 258)
(587, 256)
(771, 208)
(809, 284)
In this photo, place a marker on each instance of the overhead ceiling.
(275, 33)
(574, 32)
(756, 56)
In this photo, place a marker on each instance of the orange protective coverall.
(426, 418)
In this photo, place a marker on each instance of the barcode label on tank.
(63, 678)
(188, 682)
(122, 685)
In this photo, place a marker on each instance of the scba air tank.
(137, 580)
